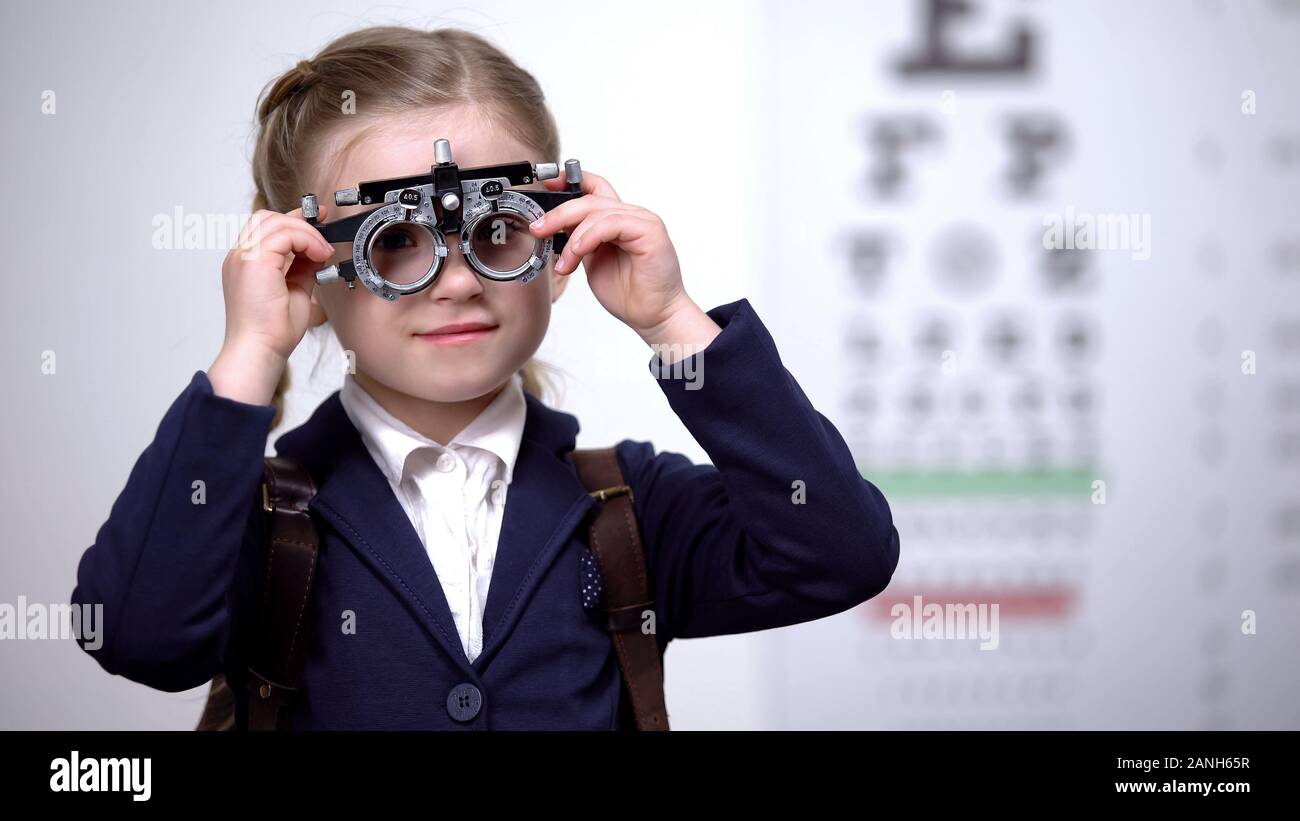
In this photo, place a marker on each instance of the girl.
(450, 518)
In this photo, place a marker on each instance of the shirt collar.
(498, 429)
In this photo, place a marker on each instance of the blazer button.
(464, 702)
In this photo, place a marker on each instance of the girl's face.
(384, 336)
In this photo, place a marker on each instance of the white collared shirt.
(454, 495)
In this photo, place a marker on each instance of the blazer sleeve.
(783, 528)
(163, 565)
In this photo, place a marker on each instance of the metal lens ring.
(497, 243)
(398, 252)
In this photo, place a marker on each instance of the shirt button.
(446, 462)
(464, 701)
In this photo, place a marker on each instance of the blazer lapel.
(354, 497)
(544, 504)
(543, 507)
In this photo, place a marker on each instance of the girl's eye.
(393, 240)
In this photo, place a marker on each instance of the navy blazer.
(728, 548)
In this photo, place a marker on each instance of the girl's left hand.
(631, 264)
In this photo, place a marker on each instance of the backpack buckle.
(610, 492)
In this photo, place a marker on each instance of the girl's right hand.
(267, 280)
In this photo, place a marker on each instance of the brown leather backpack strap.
(219, 710)
(620, 558)
(276, 653)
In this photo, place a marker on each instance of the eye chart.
(1040, 263)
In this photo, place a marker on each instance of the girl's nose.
(456, 281)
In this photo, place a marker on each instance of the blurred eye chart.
(1046, 258)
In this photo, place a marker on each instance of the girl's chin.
(459, 387)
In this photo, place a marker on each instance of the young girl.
(450, 520)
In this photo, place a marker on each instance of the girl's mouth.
(461, 334)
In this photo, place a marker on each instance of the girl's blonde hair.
(386, 70)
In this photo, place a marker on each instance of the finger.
(245, 239)
(580, 239)
(591, 184)
(265, 222)
(262, 220)
(295, 219)
(339, 251)
(287, 237)
(617, 227)
(566, 215)
(301, 274)
(264, 236)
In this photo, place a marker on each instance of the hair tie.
(306, 68)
